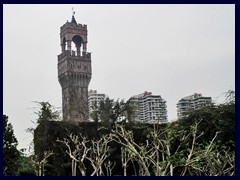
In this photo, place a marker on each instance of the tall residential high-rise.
(149, 107)
(94, 98)
(192, 102)
(74, 71)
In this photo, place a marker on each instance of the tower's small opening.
(77, 40)
(64, 44)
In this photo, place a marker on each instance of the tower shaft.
(74, 71)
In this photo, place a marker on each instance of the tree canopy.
(47, 112)
(10, 151)
(109, 111)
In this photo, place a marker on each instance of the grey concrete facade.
(149, 107)
(190, 103)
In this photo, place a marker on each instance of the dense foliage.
(109, 111)
(214, 118)
(26, 167)
(47, 112)
(203, 143)
(10, 152)
(15, 163)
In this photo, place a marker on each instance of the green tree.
(47, 112)
(10, 151)
(109, 111)
(215, 118)
(230, 97)
(26, 167)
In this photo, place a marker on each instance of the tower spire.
(73, 18)
(73, 12)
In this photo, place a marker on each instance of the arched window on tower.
(77, 40)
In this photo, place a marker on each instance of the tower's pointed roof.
(73, 20)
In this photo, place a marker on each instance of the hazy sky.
(169, 50)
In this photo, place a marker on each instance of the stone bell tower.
(74, 71)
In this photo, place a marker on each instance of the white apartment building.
(192, 102)
(149, 108)
(94, 98)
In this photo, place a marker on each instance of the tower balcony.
(84, 56)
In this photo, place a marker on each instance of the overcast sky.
(169, 50)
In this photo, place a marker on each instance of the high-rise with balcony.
(192, 102)
(94, 98)
(149, 107)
